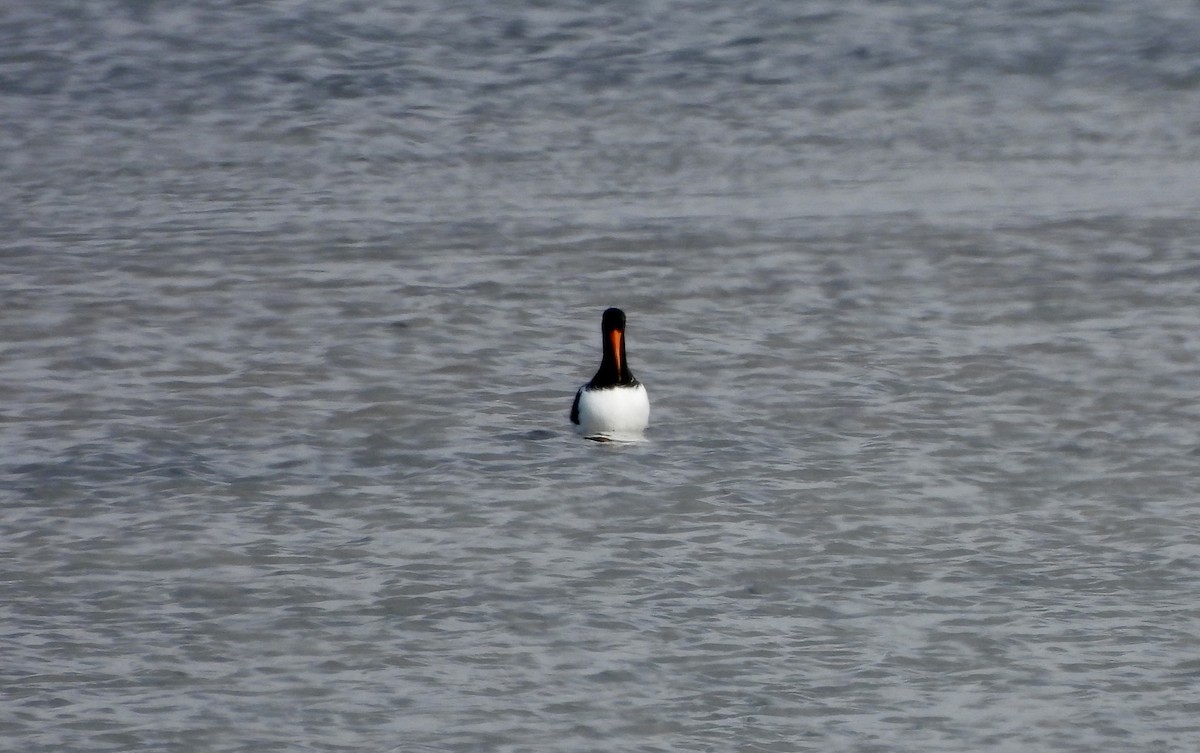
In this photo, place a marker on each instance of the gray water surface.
(296, 297)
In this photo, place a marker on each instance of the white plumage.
(613, 411)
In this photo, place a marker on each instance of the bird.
(614, 405)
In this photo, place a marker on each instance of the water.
(296, 297)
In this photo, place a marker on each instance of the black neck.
(609, 374)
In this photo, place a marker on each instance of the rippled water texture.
(296, 297)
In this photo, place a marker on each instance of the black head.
(613, 368)
(614, 320)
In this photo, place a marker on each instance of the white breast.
(614, 411)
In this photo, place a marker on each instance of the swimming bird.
(614, 404)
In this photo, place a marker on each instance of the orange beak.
(615, 338)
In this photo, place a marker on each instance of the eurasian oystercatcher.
(614, 405)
